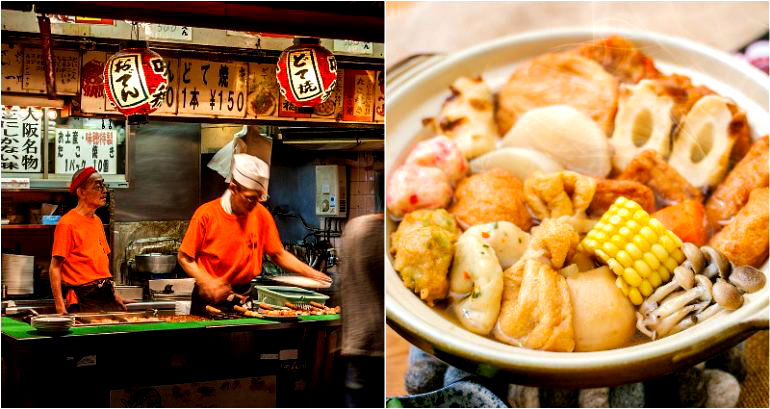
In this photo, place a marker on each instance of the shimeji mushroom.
(747, 279)
(717, 263)
(726, 295)
(661, 321)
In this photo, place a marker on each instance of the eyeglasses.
(260, 197)
(99, 186)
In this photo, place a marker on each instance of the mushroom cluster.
(704, 284)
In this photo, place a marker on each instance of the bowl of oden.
(578, 208)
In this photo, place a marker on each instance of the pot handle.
(760, 319)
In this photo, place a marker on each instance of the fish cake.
(423, 261)
(608, 190)
(620, 58)
(745, 240)
(559, 79)
(492, 196)
(649, 168)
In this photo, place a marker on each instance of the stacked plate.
(52, 324)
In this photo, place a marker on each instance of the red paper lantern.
(307, 73)
(135, 80)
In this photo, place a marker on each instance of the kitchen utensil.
(155, 263)
(280, 295)
(421, 94)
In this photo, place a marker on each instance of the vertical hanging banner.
(359, 96)
(79, 148)
(208, 88)
(263, 91)
(379, 97)
(21, 141)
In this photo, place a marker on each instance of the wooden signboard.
(92, 97)
(66, 65)
(21, 140)
(332, 107)
(12, 67)
(212, 89)
(358, 97)
(262, 100)
(379, 97)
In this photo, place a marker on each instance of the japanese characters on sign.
(66, 64)
(263, 91)
(208, 88)
(136, 82)
(354, 47)
(127, 84)
(168, 32)
(359, 95)
(304, 78)
(379, 97)
(21, 140)
(12, 64)
(306, 74)
(79, 148)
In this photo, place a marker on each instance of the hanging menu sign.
(379, 97)
(359, 96)
(208, 88)
(79, 148)
(66, 64)
(21, 140)
(262, 100)
(332, 107)
(13, 58)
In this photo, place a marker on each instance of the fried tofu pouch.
(536, 312)
(556, 79)
(492, 196)
(745, 240)
(733, 193)
(423, 259)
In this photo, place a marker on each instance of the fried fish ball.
(423, 218)
(491, 196)
(745, 240)
(412, 187)
(733, 193)
(620, 58)
(423, 260)
(556, 79)
(649, 168)
(442, 153)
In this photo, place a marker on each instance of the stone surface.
(425, 373)
(463, 394)
(559, 398)
(594, 398)
(453, 374)
(723, 389)
(732, 361)
(520, 396)
(627, 396)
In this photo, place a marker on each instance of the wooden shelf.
(33, 226)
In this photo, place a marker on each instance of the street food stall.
(214, 93)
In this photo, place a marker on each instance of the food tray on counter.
(280, 295)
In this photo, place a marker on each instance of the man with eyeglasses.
(227, 237)
(80, 258)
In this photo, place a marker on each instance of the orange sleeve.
(273, 244)
(62, 240)
(195, 233)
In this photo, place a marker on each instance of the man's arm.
(54, 272)
(288, 261)
(212, 288)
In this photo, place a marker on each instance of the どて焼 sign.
(80, 148)
(208, 88)
(21, 140)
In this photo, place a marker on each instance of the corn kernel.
(659, 252)
(641, 217)
(648, 234)
(642, 268)
(624, 213)
(675, 238)
(610, 249)
(618, 241)
(599, 236)
(615, 266)
(631, 205)
(634, 296)
(616, 220)
(664, 273)
(640, 242)
(633, 250)
(620, 283)
(624, 258)
(657, 226)
(602, 255)
(591, 244)
(645, 288)
(634, 226)
(632, 277)
(608, 228)
(655, 279)
(670, 264)
(651, 260)
(620, 200)
(668, 244)
(626, 233)
(678, 255)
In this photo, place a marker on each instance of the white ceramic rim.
(754, 311)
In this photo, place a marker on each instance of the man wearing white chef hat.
(227, 237)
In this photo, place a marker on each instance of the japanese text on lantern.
(21, 140)
(126, 82)
(79, 148)
(304, 78)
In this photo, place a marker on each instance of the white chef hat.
(250, 171)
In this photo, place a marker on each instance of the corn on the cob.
(636, 247)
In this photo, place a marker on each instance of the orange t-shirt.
(81, 242)
(227, 246)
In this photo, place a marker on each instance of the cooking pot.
(155, 263)
(414, 97)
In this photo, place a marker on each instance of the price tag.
(168, 32)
